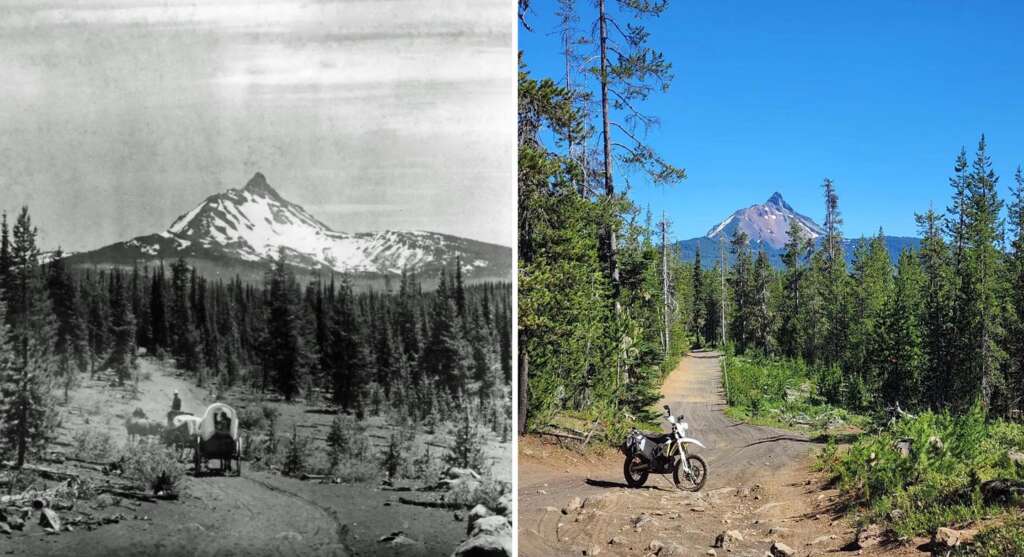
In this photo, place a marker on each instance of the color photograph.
(771, 278)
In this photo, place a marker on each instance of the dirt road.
(759, 486)
(259, 513)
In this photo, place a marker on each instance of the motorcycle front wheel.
(694, 480)
(634, 477)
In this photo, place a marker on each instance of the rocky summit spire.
(777, 200)
(258, 185)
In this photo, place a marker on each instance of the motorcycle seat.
(658, 438)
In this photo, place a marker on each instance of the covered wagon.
(217, 439)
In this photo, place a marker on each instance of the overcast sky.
(120, 115)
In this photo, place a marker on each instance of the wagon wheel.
(197, 459)
(238, 457)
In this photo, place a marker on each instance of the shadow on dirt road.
(758, 480)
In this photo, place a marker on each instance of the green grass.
(781, 393)
(937, 484)
(996, 541)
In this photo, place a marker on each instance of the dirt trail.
(258, 513)
(759, 484)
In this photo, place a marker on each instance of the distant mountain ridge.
(767, 226)
(241, 230)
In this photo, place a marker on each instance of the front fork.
(684, 464)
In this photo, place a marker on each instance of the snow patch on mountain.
(255, 224)
(766, 223)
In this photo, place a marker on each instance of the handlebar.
(668, 411)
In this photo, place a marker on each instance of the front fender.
(692, 440)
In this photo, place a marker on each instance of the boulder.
(15, 522)
(655, 546)
(397, 538)
(493, 525)
(1015, 457)
(780, 549)
(485, 546)
(1003, 491)
(454, 473)
(476, 514)
(936, 443)
(5, 528)
(504, 506)
(946, 537)
(573, 505)
(903, 447)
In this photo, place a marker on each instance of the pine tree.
(466, 450)
(870, 288)
(981, 278)
(901, 356)
(444, 354)
(741, 284)
(939, 338)
(794, 258)
(287, 357)
(348, 354)
(27, 406)
(832, 283)
(1015, 332)
(71, 343)
(762, 324)
(5, 259)
(182, 333)
(122, 353)
(160, 340)
(698, 315)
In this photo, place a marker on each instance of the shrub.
(97, 446)
(996, 541)
(296, 454)
(470, 494)
(936, 483)
(466, 450)
(153, 465)
(392, 457)
(424, 467)
(345, 440)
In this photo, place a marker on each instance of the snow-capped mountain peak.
(255, 223)
(767, 222)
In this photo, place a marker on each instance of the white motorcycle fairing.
(692, 440)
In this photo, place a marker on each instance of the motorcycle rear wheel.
(634, 478)
(693, 481)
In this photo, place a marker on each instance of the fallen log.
(136, 495)
(559, 435)
(45, 473)
(428, 504)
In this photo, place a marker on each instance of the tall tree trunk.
(609, 187)
(524, 383)
(664, 283)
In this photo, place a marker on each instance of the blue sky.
(878, 96)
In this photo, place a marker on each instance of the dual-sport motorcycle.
(664, 454)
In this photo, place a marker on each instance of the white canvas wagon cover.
(214, 413)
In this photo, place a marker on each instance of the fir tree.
(27, 406)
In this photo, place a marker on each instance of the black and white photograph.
(256, 277)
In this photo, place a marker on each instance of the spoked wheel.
(635, 471)
(197, 460)
(694, 479)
